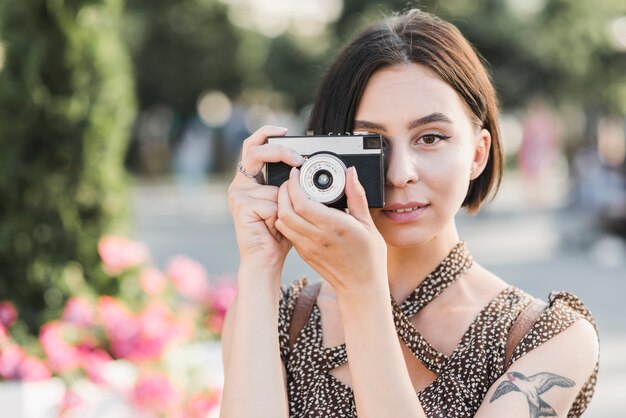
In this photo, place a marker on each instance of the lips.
(403, 207)
(402, 210)
(405, 212)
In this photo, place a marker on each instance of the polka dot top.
(463, 378)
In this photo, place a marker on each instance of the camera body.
(322, 176)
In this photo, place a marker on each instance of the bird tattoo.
(532, 387)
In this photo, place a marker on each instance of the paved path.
(537, 250)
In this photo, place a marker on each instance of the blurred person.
(234, 131)
(404, 323)
(539, 149)
(193, 159)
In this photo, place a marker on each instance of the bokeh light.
(273, 18)
(214, 108)
(617, 32)
(2, 55)
(526, 8)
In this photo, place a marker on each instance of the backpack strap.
(302, 310)
(520, 328)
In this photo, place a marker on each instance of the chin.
(405, 236)
(414, 234)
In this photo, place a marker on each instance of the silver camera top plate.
(337, 144)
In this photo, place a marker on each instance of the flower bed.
(153, 348)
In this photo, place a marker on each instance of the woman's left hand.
(346, 249)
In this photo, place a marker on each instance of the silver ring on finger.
(244, 172)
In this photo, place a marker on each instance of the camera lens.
(323, 179)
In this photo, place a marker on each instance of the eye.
(431, 139)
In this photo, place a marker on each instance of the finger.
(241, 199)
(264, 209)
(263, 192)
(314, 212)
(256, 157)
(267, 211)
(288, 215)
(259, 137)
(357, 200)
(292, 235)
(271, 226)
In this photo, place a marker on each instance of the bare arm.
(254, 383)
(545, 381)
(375, 356)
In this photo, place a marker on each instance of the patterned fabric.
(463, 378)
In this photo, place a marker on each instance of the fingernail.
(281, 128)
(356, 175)
(299, 158)
(293, 173)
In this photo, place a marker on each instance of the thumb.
(357, 201)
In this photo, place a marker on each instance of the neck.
(408, 267)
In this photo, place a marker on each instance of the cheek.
(447, 180)
(448, 176)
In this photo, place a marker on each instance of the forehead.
(402, 92)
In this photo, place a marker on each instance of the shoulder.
(564, 312)
(557, 377)
(554, 366)
(289, 294)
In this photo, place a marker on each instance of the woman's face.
(432, 152)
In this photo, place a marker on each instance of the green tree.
(66, 106)
(181, 48)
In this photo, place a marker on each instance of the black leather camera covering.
(369, 169)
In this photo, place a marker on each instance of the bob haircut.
(420, 38)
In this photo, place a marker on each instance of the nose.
(401, 169)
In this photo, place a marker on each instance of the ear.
(482, 145)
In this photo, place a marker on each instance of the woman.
(402, 309)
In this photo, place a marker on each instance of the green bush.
(66, 107)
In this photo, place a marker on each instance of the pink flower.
(62, 357)
(187, 317)
(4, 335)
(11, 358)
(189, 278)
(158, 329)
(137, 337)
(93, 361)
(79, 311)
(199, 405)
(70, 400)
(152, 281)
(157, 322)
(8, 314)
(119, 254)
(215, 323)
(222, 295)
(155, 392)
(119, 322)
(32, 369)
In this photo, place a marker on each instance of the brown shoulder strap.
(520, 328)
(302, 310)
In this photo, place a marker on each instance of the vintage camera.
(323, 174)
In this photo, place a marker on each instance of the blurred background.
(127, 117)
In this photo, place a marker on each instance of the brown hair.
(420, 38)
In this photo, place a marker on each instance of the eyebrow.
(433, 117)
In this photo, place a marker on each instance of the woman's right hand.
(254, 206)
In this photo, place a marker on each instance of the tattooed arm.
(545, 382)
